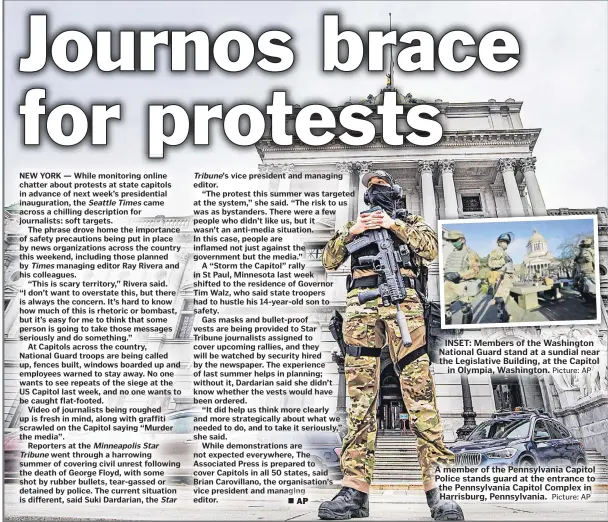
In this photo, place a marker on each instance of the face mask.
(458, 244)
(381, 196)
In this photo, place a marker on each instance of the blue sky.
(481, 237)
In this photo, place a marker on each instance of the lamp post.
(468, 413)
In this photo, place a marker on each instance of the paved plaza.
(570, 307)
(384, 505)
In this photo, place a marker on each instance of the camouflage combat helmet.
(507, 237)
(377, 174)
(453, 235)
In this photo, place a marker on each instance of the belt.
(372, 282)
(362, 351)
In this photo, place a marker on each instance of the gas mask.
(382, 196)
(458, 244)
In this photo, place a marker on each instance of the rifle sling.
(410, 358)
(372, 282)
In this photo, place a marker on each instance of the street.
(384, 505)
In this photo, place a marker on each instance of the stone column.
(425, 168)
(343, 185)
(446, 168)
(528, 167)
(265, 168)
(429, 210)
(507, 168)
(286, 169)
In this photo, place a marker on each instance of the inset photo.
(536, 271)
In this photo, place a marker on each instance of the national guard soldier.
(501, 275)
(367, 328)
(460, 266)
(584, 269)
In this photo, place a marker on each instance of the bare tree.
(568, 250)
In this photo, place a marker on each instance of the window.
(314, 252)
(183, 425)
(541, 432)
(186, 320)
(558, 431)
(471, 203)
(501, 429)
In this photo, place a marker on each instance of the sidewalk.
(384, 505)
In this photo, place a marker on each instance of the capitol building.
(484, 167)
(539, 260)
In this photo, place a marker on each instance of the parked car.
(526, 438)
(325, 449)
(12, 455)
(179, 445)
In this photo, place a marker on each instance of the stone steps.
(397, 460)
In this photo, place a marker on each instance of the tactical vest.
(457, 261)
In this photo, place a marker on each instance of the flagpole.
(390, 27)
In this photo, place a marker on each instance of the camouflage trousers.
(363, 382)
(504, 288)
(453, 292)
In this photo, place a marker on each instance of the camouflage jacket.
(413, 231)
(469, 269)
(497, 259)
(585, 262)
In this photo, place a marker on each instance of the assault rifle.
(387, 264)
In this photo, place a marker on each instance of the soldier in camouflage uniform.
(367, 327)
(584, 269)
(459, 266)
(501, 275)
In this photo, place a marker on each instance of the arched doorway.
(390, 402)
(507, 392)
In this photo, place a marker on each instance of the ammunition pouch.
(432, 321)
(335, 328)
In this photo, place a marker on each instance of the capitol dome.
(536, 237)
(538, 260)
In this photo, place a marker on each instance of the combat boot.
(443, 509)
(501, 306)
(348, 503)
(467, 313)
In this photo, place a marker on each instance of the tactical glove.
(452, 276)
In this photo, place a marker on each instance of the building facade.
(484, 167)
